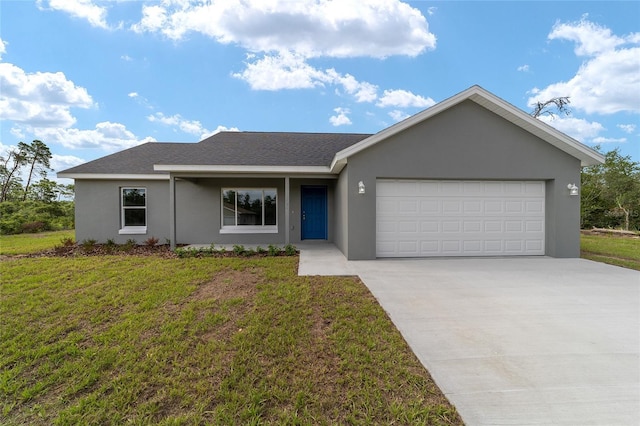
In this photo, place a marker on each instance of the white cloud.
(39, 99)
(290, 71)
(627, 128)
(3, 47)
(590, 38)
(83, 9)
(398, 115)
(312, 28)
(218, 130)
(524, 68)
(341, 118)
(17, 132)
(63, 162)
(192, 127)
(578, 128)
(361, 90)
(126, 58)
(601, 139)
(133, 95)
(282, 71)
(607, 81)
(107, 136)
(403, 99)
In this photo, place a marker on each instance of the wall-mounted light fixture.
(361, 187)
(573, 189)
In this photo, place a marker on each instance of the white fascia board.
(477, 94)
(113, 176)
(203, 168)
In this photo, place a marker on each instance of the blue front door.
(314, 212)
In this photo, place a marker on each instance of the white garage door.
(419, 218)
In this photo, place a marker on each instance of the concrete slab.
(514, 340)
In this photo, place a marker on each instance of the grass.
(29, 243)
(153, 340)
(615, 250)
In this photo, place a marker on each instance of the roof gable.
(477, 94)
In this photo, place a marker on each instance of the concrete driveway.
(513, 341)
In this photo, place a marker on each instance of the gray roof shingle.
(229, 149)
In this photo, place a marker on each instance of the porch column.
(172, 211)
(287, 210)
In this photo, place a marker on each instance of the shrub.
(88, 244)
(273, 250)
(34, 227)
(19, 216)
(67, 242)
(239, 249)
(151, 241)
(129, 245)
(290, 250)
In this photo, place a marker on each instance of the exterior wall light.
(361, 187)
(573, 189)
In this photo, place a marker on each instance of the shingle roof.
(229, 149)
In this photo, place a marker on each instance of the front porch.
(250, 210)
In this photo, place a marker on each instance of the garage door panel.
(459, 218)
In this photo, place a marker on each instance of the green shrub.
(88, 244)
(35, 216)
(273, 250)
(290, 250)
(67, 242)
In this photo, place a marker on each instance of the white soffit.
(477, 94)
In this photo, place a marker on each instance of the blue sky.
(92, 77)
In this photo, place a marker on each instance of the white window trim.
(132, 230)
(247, 229)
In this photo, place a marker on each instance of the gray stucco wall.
(465, 142)
(198, 210)
(97, 204)
(341, 198)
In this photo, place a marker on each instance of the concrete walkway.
(516, 341)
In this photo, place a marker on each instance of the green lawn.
(157, 340)
(31, 243)
(616, 250)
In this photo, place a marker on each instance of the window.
(249, 210)
(134, 211)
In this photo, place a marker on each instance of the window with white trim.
(133, 215)
(249, 210)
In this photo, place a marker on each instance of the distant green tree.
(10, 165)
(44, 190)
(38, 158)
(611, 193)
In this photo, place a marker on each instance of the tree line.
(29, 201)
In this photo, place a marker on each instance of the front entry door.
(314, 213)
